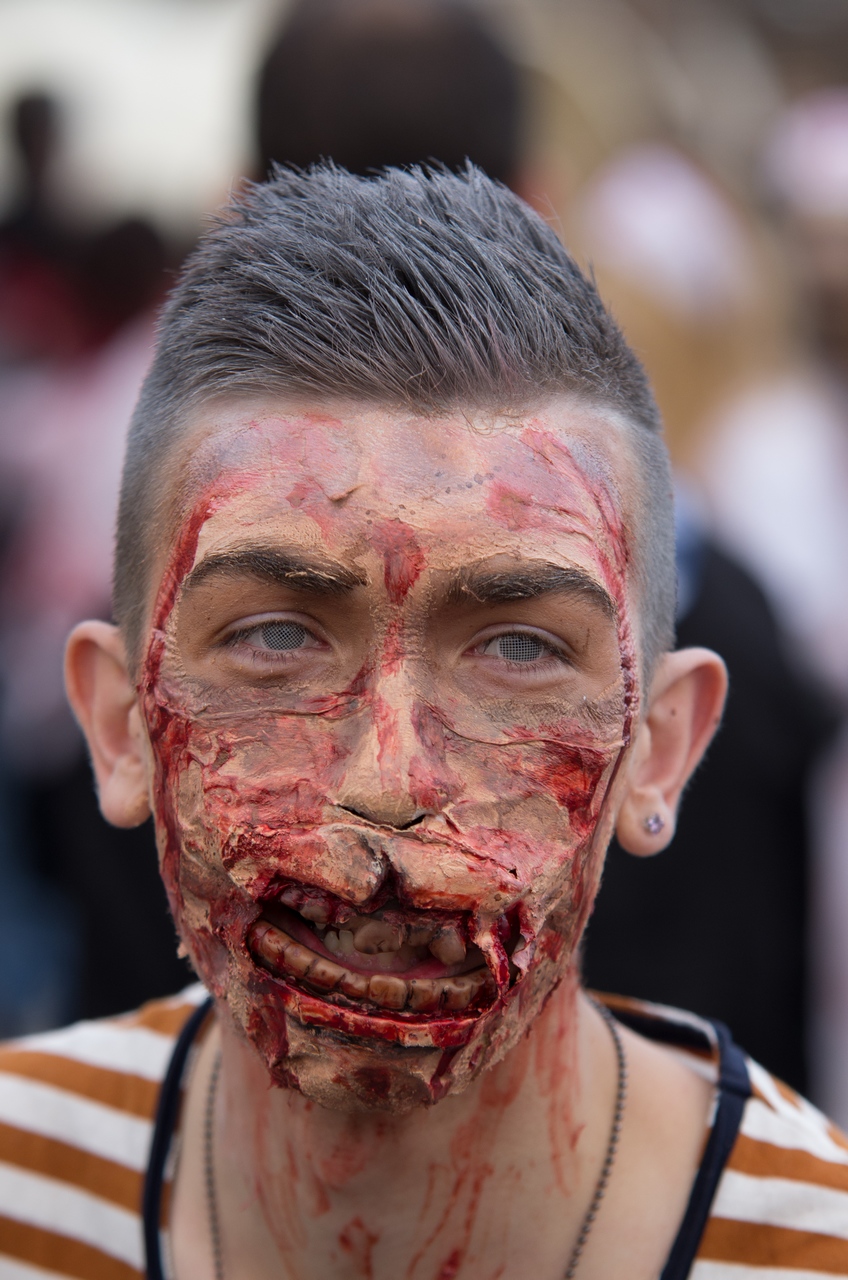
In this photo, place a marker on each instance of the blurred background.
(694, 154)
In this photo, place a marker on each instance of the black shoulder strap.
(734, 1088)
(163, 1131)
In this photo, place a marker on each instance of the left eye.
(283, 635)
(516, 646)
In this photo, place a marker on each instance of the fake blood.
(264, 781)
(403, 559)
(358, 1242)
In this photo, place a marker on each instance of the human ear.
(684, 709)
(104, 702)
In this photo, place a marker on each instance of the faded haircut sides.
(421, 290)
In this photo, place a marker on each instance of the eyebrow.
(296, 569)
(529, 581)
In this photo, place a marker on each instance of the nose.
(395, 775)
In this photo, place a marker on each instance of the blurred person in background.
(606, 75)
(38, 315)
(371, 83)
(41, 312)
(76, 309)
(781, 448)
(679, 266)
(774, 468)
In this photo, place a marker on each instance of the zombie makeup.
(389, 684)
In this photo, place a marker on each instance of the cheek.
(260, 797)
(573, 780)
(536, 810)
(265, 772)
(228, 794)
(545, 780)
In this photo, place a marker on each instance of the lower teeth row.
(389, 991)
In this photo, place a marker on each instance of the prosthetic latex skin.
(388, 687)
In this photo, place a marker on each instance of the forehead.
(554, 482)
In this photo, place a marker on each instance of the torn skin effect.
(375, 963)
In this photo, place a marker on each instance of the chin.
(380, 1063)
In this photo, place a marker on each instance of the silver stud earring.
(654, 824)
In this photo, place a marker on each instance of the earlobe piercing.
(653, 824)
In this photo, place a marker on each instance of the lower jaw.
(440, 1028)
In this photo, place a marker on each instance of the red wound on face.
(509, 506)
(403, 559)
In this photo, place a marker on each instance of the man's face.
(388, 686)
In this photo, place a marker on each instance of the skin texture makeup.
(389, 684)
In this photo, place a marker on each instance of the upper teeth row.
(369, 937)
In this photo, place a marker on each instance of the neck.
(325, 1190)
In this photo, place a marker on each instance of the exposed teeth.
(298, 960)
(315, 912)
(448, 946)
(346, 946)
(458, 992)
(324, 974)
(388, 990)
(372, 936)
(419, 935)
(424, 994)
(376, 935)
(355, 985)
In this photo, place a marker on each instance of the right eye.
(282, 635)
(517, 647)
(277, 638)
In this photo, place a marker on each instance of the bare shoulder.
(668, 1088)
(780, 1198)
(670, 1100)
(674, 1064)
(669, 1108)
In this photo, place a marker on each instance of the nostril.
(357, 813)
(382, 819)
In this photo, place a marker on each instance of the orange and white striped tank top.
(88, 1118)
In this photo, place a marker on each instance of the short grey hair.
(418, 289)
